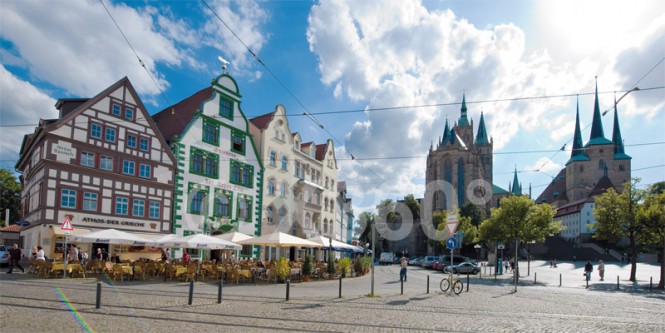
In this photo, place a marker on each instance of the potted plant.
(331, 266)
(345, 266)
(282, 269)
(307, 268)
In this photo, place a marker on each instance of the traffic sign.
(460, 238)
(452, 226)
(451, 243)
(22, 223)
(67, 224)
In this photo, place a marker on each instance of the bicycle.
(457, 284)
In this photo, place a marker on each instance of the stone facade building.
(104, 164)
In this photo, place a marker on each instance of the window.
(143, 144)
(138, 208)
(223, 203)
(155, 210)
(326, 183)
(284, 162)
(211, 167)
(238, 142)
(273, 158)
(106, 163)
(196, 202)
(121, 206)
(67, 198)
(296, 145)
(109, 134)
(244, 207)
(276, 134)
(88, 159)
(128, 167)
(131, 141)
(89, 201)
(226, 108)
(129, 113)
(242, 174)
(312, 151)
(197, 163)
(115, 109)
(282, 215)
(144, 171)
(282, 190)
(325, 226)
(271, 186)
(296, 168)
(204, 163)
(96, 131)
(269, 215)
(308, 221)
(210, 133)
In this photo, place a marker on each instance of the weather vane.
(224, 62)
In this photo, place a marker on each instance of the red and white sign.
(451, 226)
(67, 224)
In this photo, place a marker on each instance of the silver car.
(4, 255)
(463, 268)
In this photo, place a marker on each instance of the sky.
(381, 77)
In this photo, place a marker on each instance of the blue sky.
(357, 55)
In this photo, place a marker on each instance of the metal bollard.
(480, 275)
(559, 279)
(401, 286)
(617, 282)
(219, 291)
(535, 277)
(650, 283)
(340, 286)
(98, 303)
(467, 283)
(288, 286)
(191, 292)
(428, 284)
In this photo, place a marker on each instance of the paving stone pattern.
(30, 304)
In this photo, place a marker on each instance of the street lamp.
(477, 247)
(620, 98)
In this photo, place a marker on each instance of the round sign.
(501, 247)
(451, 243)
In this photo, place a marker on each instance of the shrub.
(282, 268)
(345, 266)
(331, 264)
(307, 265)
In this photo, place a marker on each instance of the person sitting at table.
(40, 253)
(185, 258)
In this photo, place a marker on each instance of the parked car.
(463, 268)
(444, 261)
(415, 261)
(4, 255)
(428, 261)
(386, 258)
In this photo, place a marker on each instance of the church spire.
(446, 133)
(463, 120)
(578, 150)
(481, 138)
(517, 188)
(597, 134)
(619, 152)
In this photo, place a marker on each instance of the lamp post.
(477, 247)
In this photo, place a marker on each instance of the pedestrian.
(574, 258)
(83, 256)
(554, 262)
(99, 255)
(34, 252)
(512, 265)
(402, 272)
(185, 258)
(601, 269)
(74, 253)
(40, 253)
(588, 269)
(505, 266)
(14, 258)
(165, 255)
(551, 263)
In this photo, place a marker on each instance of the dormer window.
(312, 152)
(296, 145)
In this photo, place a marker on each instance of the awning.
(77, 231)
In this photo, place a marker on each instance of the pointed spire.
(463, 120)
(517, 188)
(617, 140)
(578, 150)
(597, 133)
(481, 137)
(452, 136)
(446, 133)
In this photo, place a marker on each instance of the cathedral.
(461, 159)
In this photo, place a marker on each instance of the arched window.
(581, 168)
(325, 202)
(273, 158)
(284, 162)
(601, 165)
(282, 216)
(271, 186)
(621, 167)
(326, 183)
(282, 190)
(307, 195)
(316, 198)
(308, 221)
(269, 215)
(325, 226)
(332, 205)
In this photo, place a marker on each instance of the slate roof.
(174, 119)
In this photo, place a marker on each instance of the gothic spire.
(597, 133)
(517, 188)
(446, 133)
(578, 150)
(463, 120)
(481, 138)
(619, 152)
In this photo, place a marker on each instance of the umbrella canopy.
(337, 245)
(279, 239)
(167, 240)
(201, 241)
(233, 237)
(112, 236)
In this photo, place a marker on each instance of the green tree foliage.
(615, 216)
(657, 188)
(519, 217)
(474, 212)
(362, 228)
(10, 196)
(651, 215)
(414, 206)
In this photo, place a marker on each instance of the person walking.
(14, 258)
(588, 269)
(402, 271)
(601, 269)
(40, 253)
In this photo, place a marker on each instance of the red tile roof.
(11, 228)
(173, 120)
(321, 151)
(262, 121)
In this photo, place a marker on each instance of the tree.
(472, 211)
(519, 219)
(615, 216)
(651, 215)
(363, 229)
(657, 188)
(10, 196)
(414, 206)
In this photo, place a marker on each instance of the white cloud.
(544, 164)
